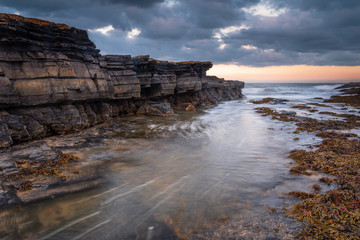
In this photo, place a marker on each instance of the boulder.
(156, 109)
(190, 108)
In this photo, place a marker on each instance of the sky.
(250, 40)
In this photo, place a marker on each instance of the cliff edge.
(53, 81)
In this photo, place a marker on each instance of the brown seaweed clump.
(284, 117)
(353, 101)
(301, 195)
(319, 105)
(22, 180)
(265, 100)
(350, 100)
(334, 214)
(302, 106)
(311, 125)
(331, 215)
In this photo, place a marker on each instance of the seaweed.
(29, 170)
(301, 195)
(284, 117)
(334, 214)
(265, 100)
(311, 124)
(25, 186)
(297, 170)
(353, 101)
(349, 100)
(319, 104)
(316, 187)
(330, 215)
(303, 106)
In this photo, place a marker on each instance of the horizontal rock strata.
(53, 81)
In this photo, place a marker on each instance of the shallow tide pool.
(171, 178)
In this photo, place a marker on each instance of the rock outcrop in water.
(54, 81)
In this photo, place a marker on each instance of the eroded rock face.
(120, 75)
(161, 78)
(43, 62)
(157, 78)
(54, 81)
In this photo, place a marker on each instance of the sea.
(183, 176)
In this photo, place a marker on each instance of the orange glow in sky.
(295, 73)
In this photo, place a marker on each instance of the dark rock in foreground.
(48, 168)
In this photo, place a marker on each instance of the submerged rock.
(156, 109)
(190, 108)
(44, 169)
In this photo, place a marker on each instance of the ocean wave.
(327, 87)
(290, 91)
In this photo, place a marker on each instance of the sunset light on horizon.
(253, 41)
(294, 73)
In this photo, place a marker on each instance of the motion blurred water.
(290, 91)
(173, 177)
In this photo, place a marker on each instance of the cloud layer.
(243, 32)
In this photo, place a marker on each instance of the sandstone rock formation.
(54, 81)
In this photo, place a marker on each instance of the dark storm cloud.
(139, 3)
(319, 4)
(317, 32)
(53, 5)
(40, 5)
(213, 13)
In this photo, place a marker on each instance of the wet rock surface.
(156, 109)
(48, 168)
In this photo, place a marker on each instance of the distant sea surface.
(290, 91)
(174, 177)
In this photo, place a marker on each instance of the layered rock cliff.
(54, 81)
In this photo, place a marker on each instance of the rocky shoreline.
(332, 214)
(54, 82)
(59, 97)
